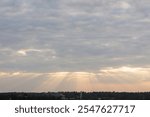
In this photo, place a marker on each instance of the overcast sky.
(54, 45)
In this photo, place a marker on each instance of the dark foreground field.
(76, 96)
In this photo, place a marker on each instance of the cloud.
(108, 79)
(146, 20)
(17, 8)
(126, 74)
(74, 35)
(125, 69)
(123, 5)
(24, 52)
(20, 9)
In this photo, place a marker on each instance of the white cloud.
(126, 69)
(25, 52)
(122, 5)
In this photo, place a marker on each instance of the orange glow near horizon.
(108, 79)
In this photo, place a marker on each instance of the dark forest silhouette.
(76, 96)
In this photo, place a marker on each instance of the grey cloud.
(86, 35)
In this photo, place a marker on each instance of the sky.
(74, 45)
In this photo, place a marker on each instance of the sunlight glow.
(123, 69)
(107, 79)
(24, 52)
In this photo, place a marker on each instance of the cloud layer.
(39, 36)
